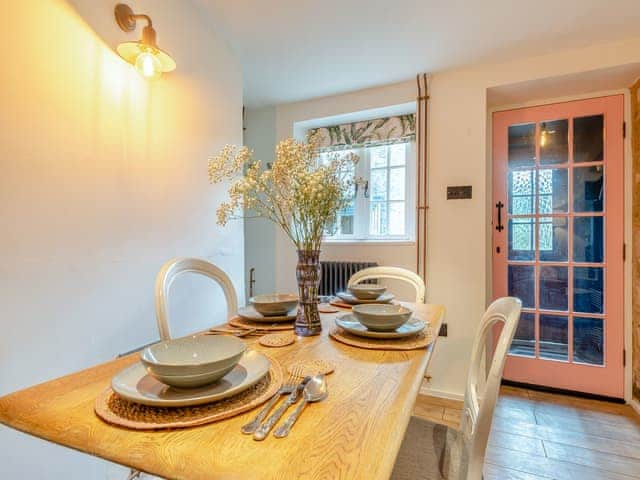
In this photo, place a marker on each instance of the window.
(383, 203)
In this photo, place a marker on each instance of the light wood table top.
(354, 434)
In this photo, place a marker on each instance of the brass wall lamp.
(148, 59)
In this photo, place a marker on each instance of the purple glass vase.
(308, 275)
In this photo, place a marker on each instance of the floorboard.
(540, 435)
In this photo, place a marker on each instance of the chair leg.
(133, 474)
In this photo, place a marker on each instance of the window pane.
(522, 145)
(524, 340)
(552, 239)
(397, 178)
(588, 283)
(521, 238)
(378, 218)
(396, 218)
(588, 239)
(378, 185)
(554, 142)
(378, 156)
(588, 340)
(521, 192)
(522, 284)
(553, 288)
(588, 142)
(588, 192)
(397, 154)
(552, 190)
(554, 337)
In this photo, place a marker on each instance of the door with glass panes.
(558, 241)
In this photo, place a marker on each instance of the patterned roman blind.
(381, 131)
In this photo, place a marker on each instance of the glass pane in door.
(553, 288)
(524, 340)
(554, 142)
(522, 145)
(588, 189)
(554, 337)
(588, 340)
(588, 139)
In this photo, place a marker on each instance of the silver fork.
(262, 432)
(286, 388)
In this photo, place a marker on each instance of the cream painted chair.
(395, 273)
(175, 267)
(432, 451)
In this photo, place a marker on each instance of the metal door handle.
(500, 206)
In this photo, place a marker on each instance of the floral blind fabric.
(401, 128)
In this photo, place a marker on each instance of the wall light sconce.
(148, 59)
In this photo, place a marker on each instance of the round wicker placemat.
(308, 368)
(116, 410)
(277, 339)
(421, 340)
(327, 308)
(275, 327)
(340, 303)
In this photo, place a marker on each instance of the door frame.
(627, 219)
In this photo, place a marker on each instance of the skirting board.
(635, 404)
(441, 394)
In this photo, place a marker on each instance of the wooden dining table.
(354, 434)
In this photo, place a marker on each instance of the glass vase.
(308, 276)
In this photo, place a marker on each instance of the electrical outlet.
(459, 192)
(443, 330)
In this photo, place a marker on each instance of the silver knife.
(262, 432)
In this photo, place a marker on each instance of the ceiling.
(294, 50)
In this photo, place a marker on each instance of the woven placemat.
(262, 326)
(308, 368)
(277, 339)
(327, 308)
(340, 303)
(421, 340)
(115, 410)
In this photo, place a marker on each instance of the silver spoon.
(314, 391)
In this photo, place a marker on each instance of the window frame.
(362, 204)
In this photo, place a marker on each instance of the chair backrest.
(395, 273)
(175, 267)
(483, 388)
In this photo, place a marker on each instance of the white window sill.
(398, 242)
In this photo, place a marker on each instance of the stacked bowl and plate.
(372, 315)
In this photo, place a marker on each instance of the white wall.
(259, 233)
(104, 177)
(458, 241)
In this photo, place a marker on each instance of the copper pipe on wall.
(419, 174)
(422, 171)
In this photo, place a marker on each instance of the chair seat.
(429, 451)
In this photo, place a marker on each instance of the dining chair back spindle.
(436, 451)
(176, 266)
(394, 273)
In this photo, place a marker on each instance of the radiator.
(334, 276)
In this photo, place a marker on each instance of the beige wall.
(104, 177)
(458, 271)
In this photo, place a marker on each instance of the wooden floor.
(539, 435)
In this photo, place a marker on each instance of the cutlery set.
(311, 389)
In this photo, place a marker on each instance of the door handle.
(500, 206)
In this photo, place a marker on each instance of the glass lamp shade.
(150, 61)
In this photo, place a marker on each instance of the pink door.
(558, 241)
